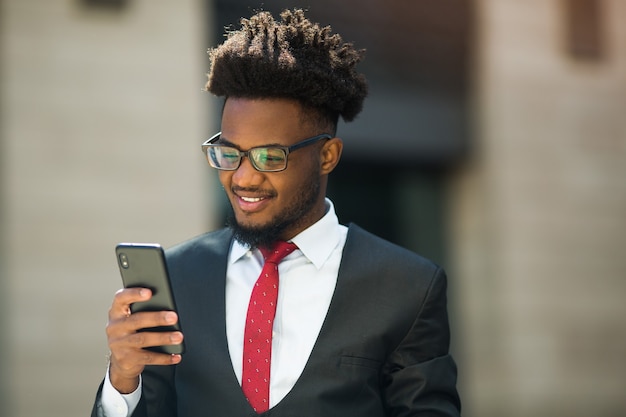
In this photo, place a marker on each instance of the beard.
(290, 217)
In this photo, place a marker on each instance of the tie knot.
(277, 251)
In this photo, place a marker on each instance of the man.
(360, 325)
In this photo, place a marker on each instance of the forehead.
(252, 122)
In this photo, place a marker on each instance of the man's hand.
(128, 358)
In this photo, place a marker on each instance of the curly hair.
(294, 59)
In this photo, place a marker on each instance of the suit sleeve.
(420, 377)
(158, 397)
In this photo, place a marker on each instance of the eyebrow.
(226, 142)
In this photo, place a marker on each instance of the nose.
(246, 175)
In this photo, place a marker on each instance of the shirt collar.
(316, 243)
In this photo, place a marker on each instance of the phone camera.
(124, 261)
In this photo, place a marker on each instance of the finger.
(142, 340)
(132, 295)
(164, 359)
(148, 319)
(131, 363)
(131, 323)
(124, 298)
(118, 329)
(129, 353)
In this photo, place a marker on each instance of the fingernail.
(171, 317)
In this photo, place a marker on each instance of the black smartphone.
(143, 265)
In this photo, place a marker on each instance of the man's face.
(272, 205)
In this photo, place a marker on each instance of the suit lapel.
(333, 331)
(200, 279)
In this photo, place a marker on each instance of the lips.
(251, 199)
(249, 202)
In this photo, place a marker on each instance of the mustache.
(253, 190)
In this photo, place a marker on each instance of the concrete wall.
(102, 118)
(539, 219)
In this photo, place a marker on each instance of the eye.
(230, 154)
(269, 156)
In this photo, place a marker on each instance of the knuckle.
(147, 357)
(137, 339)
(119, 295)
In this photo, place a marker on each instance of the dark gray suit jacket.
(382, 350)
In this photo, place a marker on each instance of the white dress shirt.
(307, 281)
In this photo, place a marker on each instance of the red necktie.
(257, 348)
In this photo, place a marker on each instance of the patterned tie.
(257, 348)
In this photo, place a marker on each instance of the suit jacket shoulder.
(216, 243)
(401, 276)
(377, 249)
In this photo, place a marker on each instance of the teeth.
(250, 199)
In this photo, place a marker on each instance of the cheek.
(294, 184)
(225, 178)
(284, 185)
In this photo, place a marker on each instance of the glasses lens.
(223, 157)
(269, 159)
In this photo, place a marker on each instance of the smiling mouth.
(251, 199)
(250, 195)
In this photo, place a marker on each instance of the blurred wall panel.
(539, 225)
(102, 117)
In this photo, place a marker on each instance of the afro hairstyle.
(293, 59)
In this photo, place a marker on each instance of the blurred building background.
(493, 141)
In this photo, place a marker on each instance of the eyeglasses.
(263, 158)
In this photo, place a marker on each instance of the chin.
(251, 221)
(256, 234)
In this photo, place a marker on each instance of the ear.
(330, 155)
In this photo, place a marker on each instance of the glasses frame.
(287, 149)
